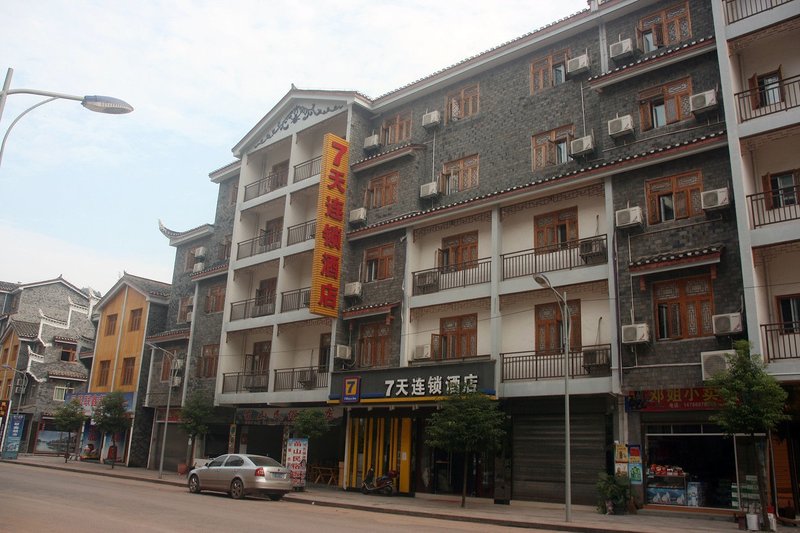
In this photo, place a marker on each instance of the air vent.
(358, 216)
(343, 352)
(372, 142)
(727, 324)
(581, 146)
(422, 352)
(578, 65)
(353, 289)
(714, 199)
(429, 190)
(627, 218)
(431, 119)
(621, 50)
(617, 127)
(635, 334)
(703, 102)
(714, 362)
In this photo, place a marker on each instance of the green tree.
(468, 422)
(752, 402)
(310, 423)
(195, 415)
(69, 417)
(111, 417)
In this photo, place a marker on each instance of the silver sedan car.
(241, 474)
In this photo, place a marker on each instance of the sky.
(82, 192)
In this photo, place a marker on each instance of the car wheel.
(237, 489)
(194, 485)
(275, 497)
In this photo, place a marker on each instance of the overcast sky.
(82, 192)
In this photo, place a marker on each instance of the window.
(549, 71)
(224, 248)
(781, 188)
(549, 326)
(674, 197)
(458, 337)
(60, 392)
(683, 308)
(458, 252)
(233, 193)
(379, 262)
(459, 175)
(668, 103)
(102, 373)
(766, 89)
(190, 260)
(135, 320)
(397, 128)
(5, 357)
(259, 360)
(462, 103)
(789, 309)
(215, 298)
(128, 364)
(551, 147)
(556, 230)
(382, 191)
(373, 345)
(111, 324)
(208, 366)
(186, 305)
(166, 365)
(67, 353)
(664, 28)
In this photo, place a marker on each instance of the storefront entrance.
(381, 441)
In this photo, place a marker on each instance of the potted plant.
(613, 493)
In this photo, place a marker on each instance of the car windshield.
(263, 460)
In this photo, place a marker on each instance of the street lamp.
(98, 104)
(542, 280)
(10, 401)
(173, 372)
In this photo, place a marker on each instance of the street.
(37, 499)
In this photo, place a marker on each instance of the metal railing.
(272, 182)
(562, 256)
(245, 382)
(782, 341)
(736, 10)
(452, 276)
(549, 364)
(309, 168)
(263, 243)
(301, 232)
(294, 300)
(253, 308)
(775, 206)
(302, 378)
(769, 99)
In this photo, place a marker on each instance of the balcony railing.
(253, 308)
(782, 340)
(452, 276)
(775, 206)
(274, 181)
(245, 382)
(768, 99)
(303, 378)
(305, 170)
(561, 256)
(549, 364)
(294, 300)
(301, 232)
(263, 243)
(736, 10)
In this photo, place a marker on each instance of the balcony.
(301, 232)
(562, 256)
(452, 276)
(265, 242)
(774, 206)
(303, 378)
(584, 361)
(253, 308)
(769, 99)
(245, 382)
(294, 300)
(305, 170)
(273, 182)
(736, 10)
(782, 341)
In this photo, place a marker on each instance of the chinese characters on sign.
(327, 262)
(432, 386)
(296, 460)
(694, 399)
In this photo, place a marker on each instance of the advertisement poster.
(635, 472)
(14, 436)
(58, 442)
(296, 461)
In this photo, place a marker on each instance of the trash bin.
(752, 522)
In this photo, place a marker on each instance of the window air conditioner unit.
(176, 381)
(578, 65)
(714, 362)
(198, 267)
(581, 146)
(373, 141)
(189, 315)
(430, 119)
(200, 252)
(177, 364)
(358, 216)
(617, 127)
(727, 324)
(429, 190)
(635, 334)
(422, 352)
(621, 49)
(353, 289)
(343, 352)
(714, 199)
(703, 102)
(629, 217)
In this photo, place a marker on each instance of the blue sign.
(14, 436)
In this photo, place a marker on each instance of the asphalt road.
(37, 499)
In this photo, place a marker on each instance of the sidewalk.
(518, 514)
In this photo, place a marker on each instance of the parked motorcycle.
(383, 485)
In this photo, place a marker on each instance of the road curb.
(99, 473)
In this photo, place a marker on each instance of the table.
(325, 474)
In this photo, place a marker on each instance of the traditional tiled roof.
(209, 272)
(396, 151)
(63, 373)
(225, 168)
(199, 231)
(25, 330)
(149, 286)
(688, 257)
(63, 338)
(7, 286)
(369, 309)
(169, 335)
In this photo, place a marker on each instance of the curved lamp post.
(542, 280)
(173, 372)
(98, 104)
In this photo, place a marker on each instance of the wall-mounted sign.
(351, 389)
(433, 386)
(694, 399)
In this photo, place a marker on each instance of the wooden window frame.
(549, 323)
(544, 146)
(382, 257)
(210, 359)
(759, 90)
(71, 351)
(462, 340)
(111, 324)
(135, 319)
(666, 27)
(382, 191)
(458, 252)
(215, 298)
(185, 306)
(543, 69)
(190, 260)
(373, 344)
(128, 368)
(396, 128)
(259, 363)
(775, 197)
(224, 248)
(546, 234)
(460, 175)
(103, 371)
(64, 389)
(674, 96)
(672, 313)
(166, 365)
(689, 185)
(462, 103)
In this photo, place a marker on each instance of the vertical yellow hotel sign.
(327, 265)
